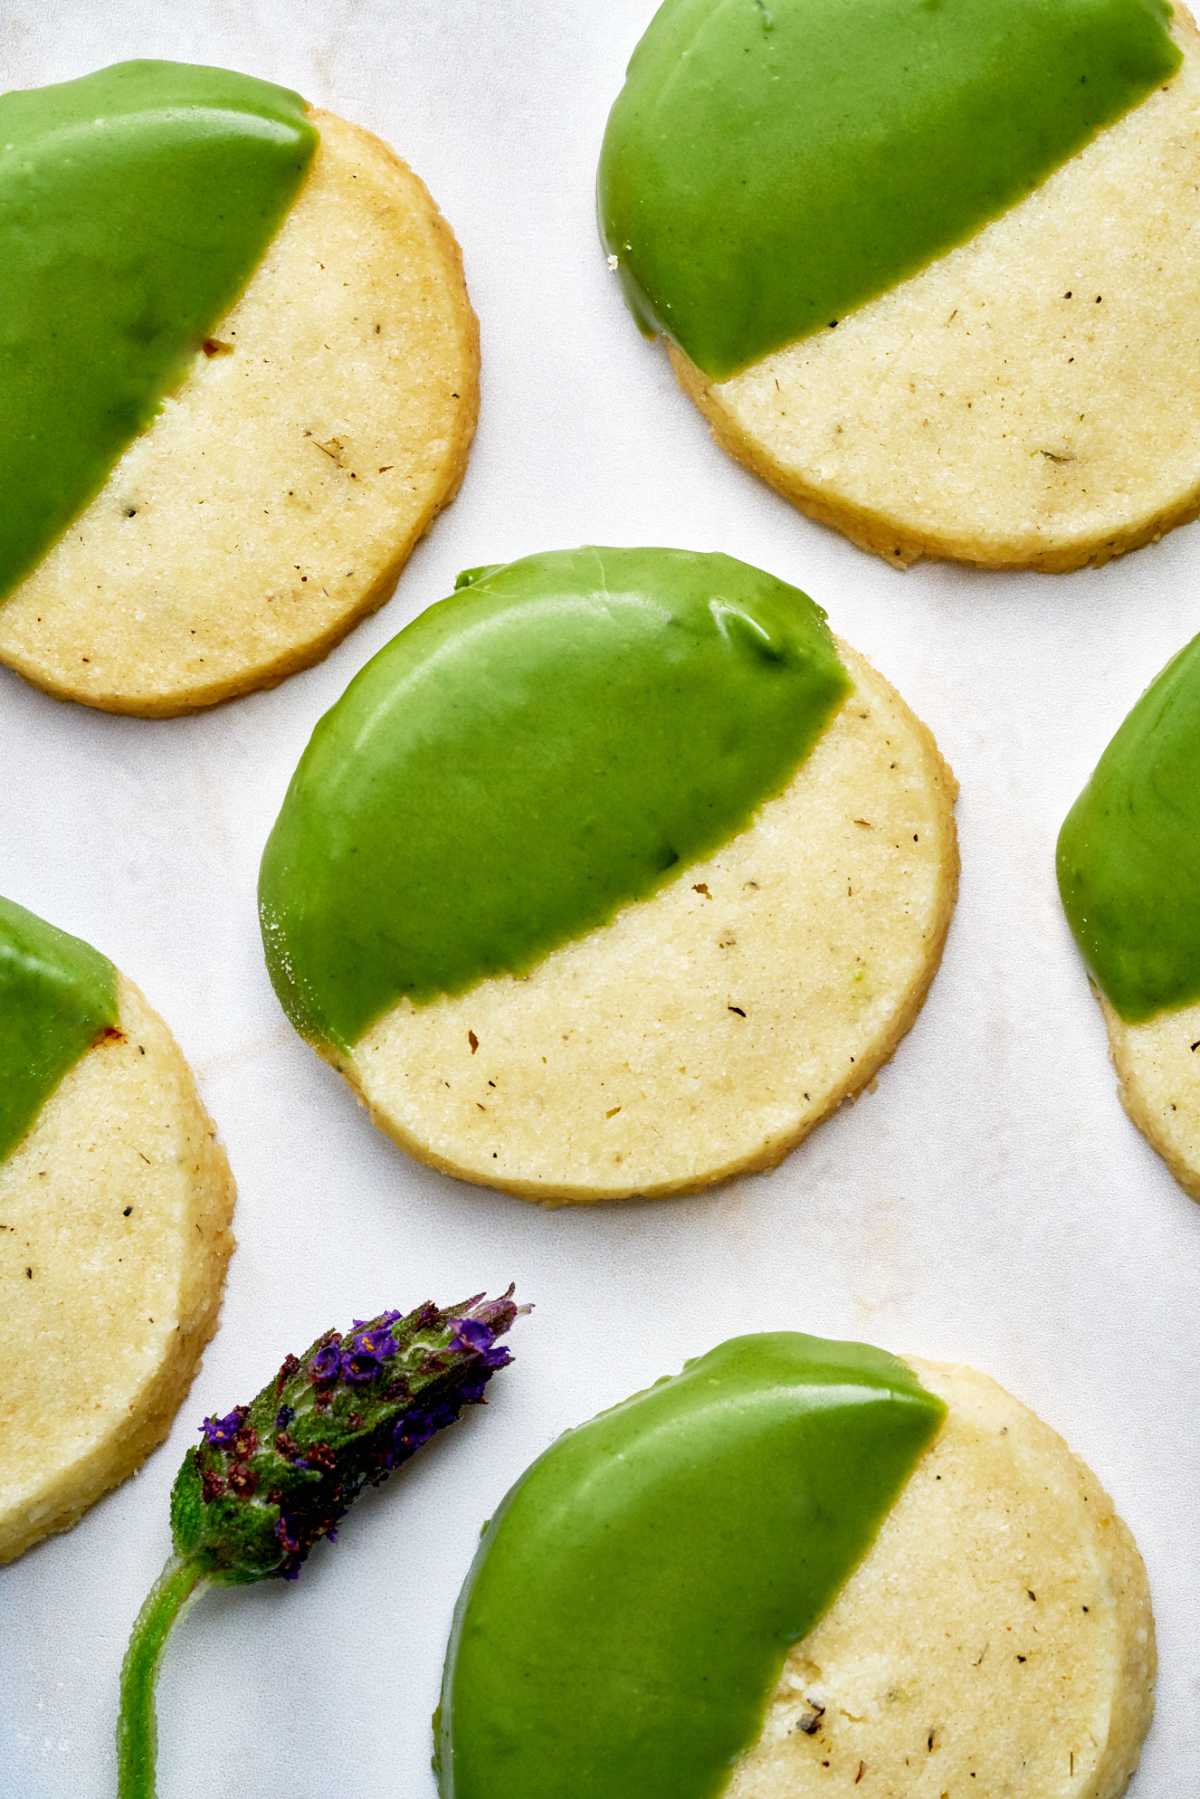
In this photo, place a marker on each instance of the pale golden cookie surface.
(1158, 1074)
(997, 1639)
(1032, 398)
(707, 1029)
(114, 1238)
(277, 495)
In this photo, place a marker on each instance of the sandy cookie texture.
(1032, 398)
(708, 1028)
(1158, 1073)
(114, 1237)
(278, 494)
(998, 1637)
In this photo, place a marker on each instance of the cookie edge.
(944, 787)
(109, 1465)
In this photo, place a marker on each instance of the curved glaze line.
(57, 995)
(554, 740)
(771, 164)
(1129, 852)
(135, 203)
(631, 1604)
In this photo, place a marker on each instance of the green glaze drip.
(771, 164)
(555, 739)
(134, 206)
(629, 1610)
(57, 995)
(1129, 852)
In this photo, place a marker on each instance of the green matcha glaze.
(134, 206)
(57, 995)
(1129, 852)
(554, 740)
(629, 1610)
(771, 164)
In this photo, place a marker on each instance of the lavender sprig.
(271, 1478)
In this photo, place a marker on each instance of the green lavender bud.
(273, 1477)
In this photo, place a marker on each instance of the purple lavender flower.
(272, 1478)
(412, 1433)
(220, 1431)
(326, 1364)
(376, 1340)
(473, 1333)
(365, 1351)
(360, 1367)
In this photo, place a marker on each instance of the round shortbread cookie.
(706, 1029)
(1159, 1082)
(278, 493)
(808, 1567)
(997, 1638)
(1127, 868)
(1027, 400)
(114, 1238)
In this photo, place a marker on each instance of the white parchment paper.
(989, 1203)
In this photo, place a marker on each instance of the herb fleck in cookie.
(611, 874)
(929, 270)
(115, 1203)
(226, 439)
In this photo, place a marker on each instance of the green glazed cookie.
(611, 874)
(115, 1202)
(930, 269)
(223, 439)
(791, 1567)
(1128, 869)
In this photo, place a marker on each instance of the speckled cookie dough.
(1159, 1083)
(806, 1567)
(278, 493)
(1026, 399)
(998, 1638)
(708, 1029)
(114, 1238)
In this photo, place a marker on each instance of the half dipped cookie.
(115, 1204)
(612, 874)
(797, 1568)
(931, 270)
(1129, 876)
(239, 370)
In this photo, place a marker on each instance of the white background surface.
(989, 1203)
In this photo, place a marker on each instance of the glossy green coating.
(631, 1604)
(57, 995)
(771, 164)
(1129, 852)
(135, 204)
(552, 741)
